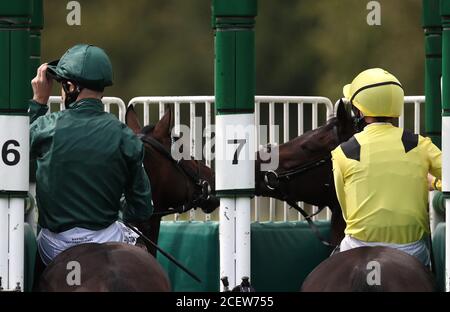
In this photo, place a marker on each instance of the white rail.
(195, 102)
(271, 110)
(107, 101)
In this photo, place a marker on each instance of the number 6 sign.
(14, 160)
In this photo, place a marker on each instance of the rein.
(272, 176)
(272, 181)
(294, 204)
(165, 253)
(200, 184)
(311, 223)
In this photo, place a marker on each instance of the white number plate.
(235, 152)
(14, 153)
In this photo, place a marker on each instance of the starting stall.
(445, 17)
(237, 116)
(233, 22)
(15, 18)
(21, 22)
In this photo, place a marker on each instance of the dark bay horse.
(176, 187)
(305, 174)
(370, 269)
(115, 267)
(305, 169)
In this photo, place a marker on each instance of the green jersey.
(86, 159)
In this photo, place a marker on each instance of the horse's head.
(305, 170)
(177, 185)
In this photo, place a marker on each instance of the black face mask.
(71, 97)
(360, 123)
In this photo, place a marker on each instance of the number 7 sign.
(235, 152)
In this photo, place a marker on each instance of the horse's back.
(370, 269)
(104, 267)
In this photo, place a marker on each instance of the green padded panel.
(196, 246)
(283, 254)
(439, 254)
(30, 256)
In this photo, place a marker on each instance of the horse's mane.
(147, 129)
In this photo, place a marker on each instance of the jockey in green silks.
(86, 158)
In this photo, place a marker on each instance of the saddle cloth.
(52, 244)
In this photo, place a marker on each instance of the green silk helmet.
(86, 65)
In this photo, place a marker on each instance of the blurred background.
(303, 47)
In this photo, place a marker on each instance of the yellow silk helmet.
(376, 92)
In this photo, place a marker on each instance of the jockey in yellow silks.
(380, 174)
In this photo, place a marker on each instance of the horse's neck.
(173, 191)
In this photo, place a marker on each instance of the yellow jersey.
(380, 177)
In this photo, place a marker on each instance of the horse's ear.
(132, 120)
(342, 114)
(164, 126)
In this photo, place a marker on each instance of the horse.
(305, 174)
(177, 186)
(305, 169)
(370, 269)
(107, 267)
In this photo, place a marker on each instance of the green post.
(37, 24)
(445, 15)
(14, 55)
(15, 18)
(433, 69)
(234, 22)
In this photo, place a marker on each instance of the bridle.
(202, 187)
(274, 180)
